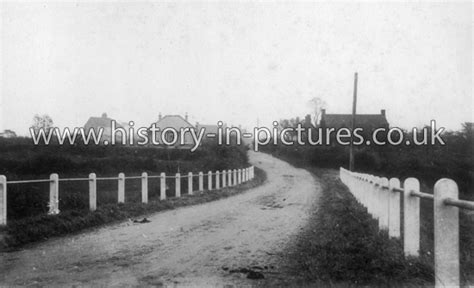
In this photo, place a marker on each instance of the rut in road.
(197, 245)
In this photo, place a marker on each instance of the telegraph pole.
(354, 104)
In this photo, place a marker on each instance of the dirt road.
(190, 246)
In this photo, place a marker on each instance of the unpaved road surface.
(189, 246)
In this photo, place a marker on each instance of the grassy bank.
(342, 245)
(42, 227)
(348, 214)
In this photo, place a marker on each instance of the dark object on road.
(251, 274)
(240, 270)
(255, 275)
(144, 220)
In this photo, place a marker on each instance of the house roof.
(103, 121)
(365, 121)
(172, 121)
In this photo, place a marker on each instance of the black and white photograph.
(236, 143)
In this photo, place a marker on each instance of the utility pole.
(354, 104)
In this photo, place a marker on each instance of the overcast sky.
(234, 62)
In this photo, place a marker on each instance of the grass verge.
(43, 227)
(343, 246)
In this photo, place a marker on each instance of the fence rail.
(382, 198)
(229, 178)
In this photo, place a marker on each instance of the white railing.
(382, 199)
(214, 182)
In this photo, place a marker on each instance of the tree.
(42, 122)
(317, 104)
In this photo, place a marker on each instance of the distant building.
(368, 122)
(176, 122)
(105, 123)
(8, 134)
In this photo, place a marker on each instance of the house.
(176, 122)
(367, 122)
(8, 134)
(105, 123)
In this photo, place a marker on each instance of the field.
(20, 160)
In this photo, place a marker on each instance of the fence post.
(446, 234)
(162, 186)
(378, 206)
(3, 200)
(144, 187)
(229, 173)
(235, 177)
(218, 184)
(373, 197)
(384, 205)
(201, 181)
(92, 192)
(190, 183)
(366, 196)
(394, 209)
(209, 180)
(411, 218)
(177, 185)
(239, 176)
(224, 175)
(121, 188)
(53, 194)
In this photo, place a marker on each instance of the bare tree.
(317, 104)
(42, 122)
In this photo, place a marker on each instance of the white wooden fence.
(382, 199)
(229, 178)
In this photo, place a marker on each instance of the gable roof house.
(368, 122)
(8, 134)
(176, 122)
(105, 123)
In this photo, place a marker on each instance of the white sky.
(234, 62)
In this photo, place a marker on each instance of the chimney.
(159, 116)
(382, 112)
(186, 116)
(323, 112)
(104, 115)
